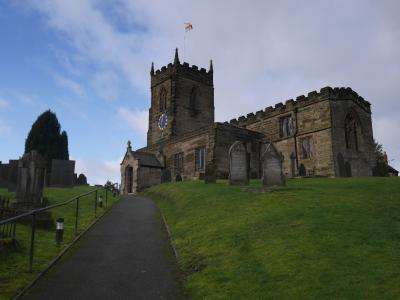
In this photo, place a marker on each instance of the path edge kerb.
(59, 255)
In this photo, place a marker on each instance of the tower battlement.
(326, 93)
(176, 68)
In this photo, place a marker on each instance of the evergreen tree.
(381, 167)
(45, 138)
(64, 145)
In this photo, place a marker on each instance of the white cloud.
(106, 84)
(263, 53)
(3, 104)
(70, 84)
(136, 119)
(98, 172)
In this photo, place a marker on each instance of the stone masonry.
(317, 135)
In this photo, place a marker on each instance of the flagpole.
(184, 46)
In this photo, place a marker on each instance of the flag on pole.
(188, 27)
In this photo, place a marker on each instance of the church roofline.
(326, 93)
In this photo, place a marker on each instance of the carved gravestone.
(272, 166)
(210, 174)
(30, 180)
(238, 164)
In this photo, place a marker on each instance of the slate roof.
(146, 159)
(392, 170)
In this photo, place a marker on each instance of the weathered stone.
(62, 173)
(31, 180)
(238, 164)
(308, 132)
(211, 174)
(272, 166)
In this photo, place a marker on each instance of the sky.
(89, 62)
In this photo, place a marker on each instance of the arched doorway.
(129, 179)
(178, 177)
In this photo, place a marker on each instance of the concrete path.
(126, 255)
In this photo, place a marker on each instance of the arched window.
(352, 131)
(193, 98)
(163, 99)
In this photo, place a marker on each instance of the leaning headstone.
(30, 180)
(210, 174)
(272, 166)
(238, 164)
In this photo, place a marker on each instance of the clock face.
(163, 121)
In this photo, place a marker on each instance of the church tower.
(182, 100)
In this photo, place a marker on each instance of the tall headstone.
(30, 180)
(272, 166)
(210, 173)
(238, 164)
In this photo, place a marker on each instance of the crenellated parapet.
(326, 93)
(188, 71)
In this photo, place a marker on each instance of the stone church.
(326, 133)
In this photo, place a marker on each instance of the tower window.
(163, 100)
(307, 147)
(178, 162)
(200, 158)
(351, 129)
(286, 127)
(193, 99)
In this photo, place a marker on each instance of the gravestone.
(272, 166)
(302, 170)
(238, 164)
(81, 180)
(210, 174)
(30, 180)
(166, 175)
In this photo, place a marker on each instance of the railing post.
(76, 215)
(106, 197)
(32, 241)
(95, 204)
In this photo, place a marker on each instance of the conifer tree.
(45, 137)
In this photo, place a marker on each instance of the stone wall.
(147, 177)
(186, 144)
(9, 174)
(179, 81)
(226, 135)
(62, 173)
(361, 160)
(321, 117)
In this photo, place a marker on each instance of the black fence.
(6, 211)
(8, 226)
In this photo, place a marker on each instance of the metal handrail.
(38, 210)
(28, 213)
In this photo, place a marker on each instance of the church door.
(129, 179)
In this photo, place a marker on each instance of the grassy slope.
(14, 273)
(316, 238)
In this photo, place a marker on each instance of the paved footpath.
(126, 255)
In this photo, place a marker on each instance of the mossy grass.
(14, 275)
(316, 238)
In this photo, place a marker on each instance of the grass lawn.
(318, 238)
(14, 274)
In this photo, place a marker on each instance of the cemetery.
(44, 209)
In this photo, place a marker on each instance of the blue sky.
(89, 61)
